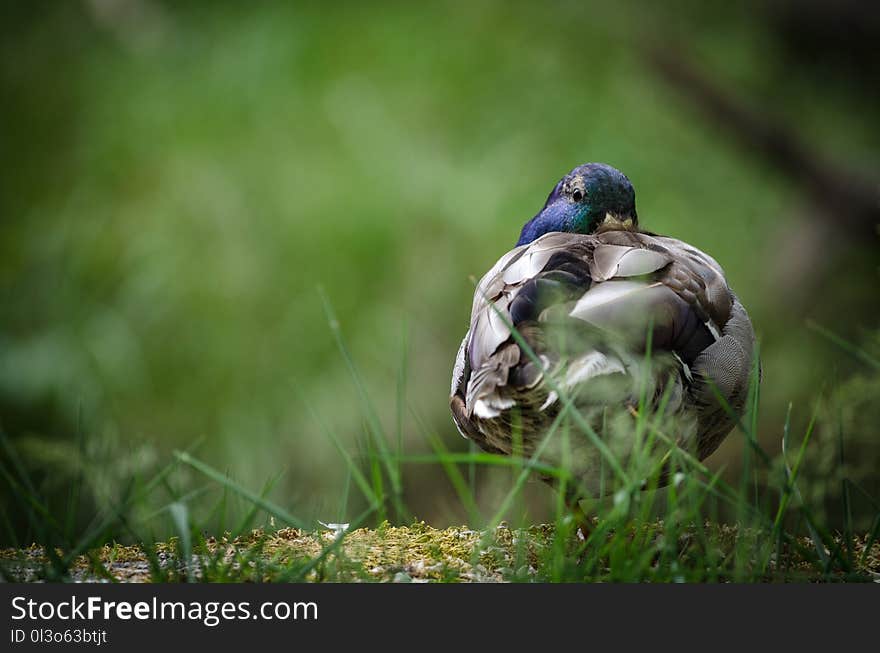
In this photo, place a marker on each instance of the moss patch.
(421, 553)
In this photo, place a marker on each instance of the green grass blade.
(455, 477)
(850, 348)
(180, 517)
(374, 423)
(276, 511)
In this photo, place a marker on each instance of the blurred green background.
(178, 180)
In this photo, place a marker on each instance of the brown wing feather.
(643, 277)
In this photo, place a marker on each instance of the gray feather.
(612, 287)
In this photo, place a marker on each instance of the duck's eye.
(577, 195)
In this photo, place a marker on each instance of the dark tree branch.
(842, 195)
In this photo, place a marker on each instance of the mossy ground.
(420, 553)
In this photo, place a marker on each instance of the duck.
(593, 322)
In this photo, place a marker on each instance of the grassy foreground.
(419, 553)
(662, 518)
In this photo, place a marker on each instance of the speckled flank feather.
(584, 304)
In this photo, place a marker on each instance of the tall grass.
(698, 528)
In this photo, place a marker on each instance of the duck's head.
(593, 196)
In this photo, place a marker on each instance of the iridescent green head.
(588, 197)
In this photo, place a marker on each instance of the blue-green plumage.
(581, 200)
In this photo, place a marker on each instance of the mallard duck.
(566, 317)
